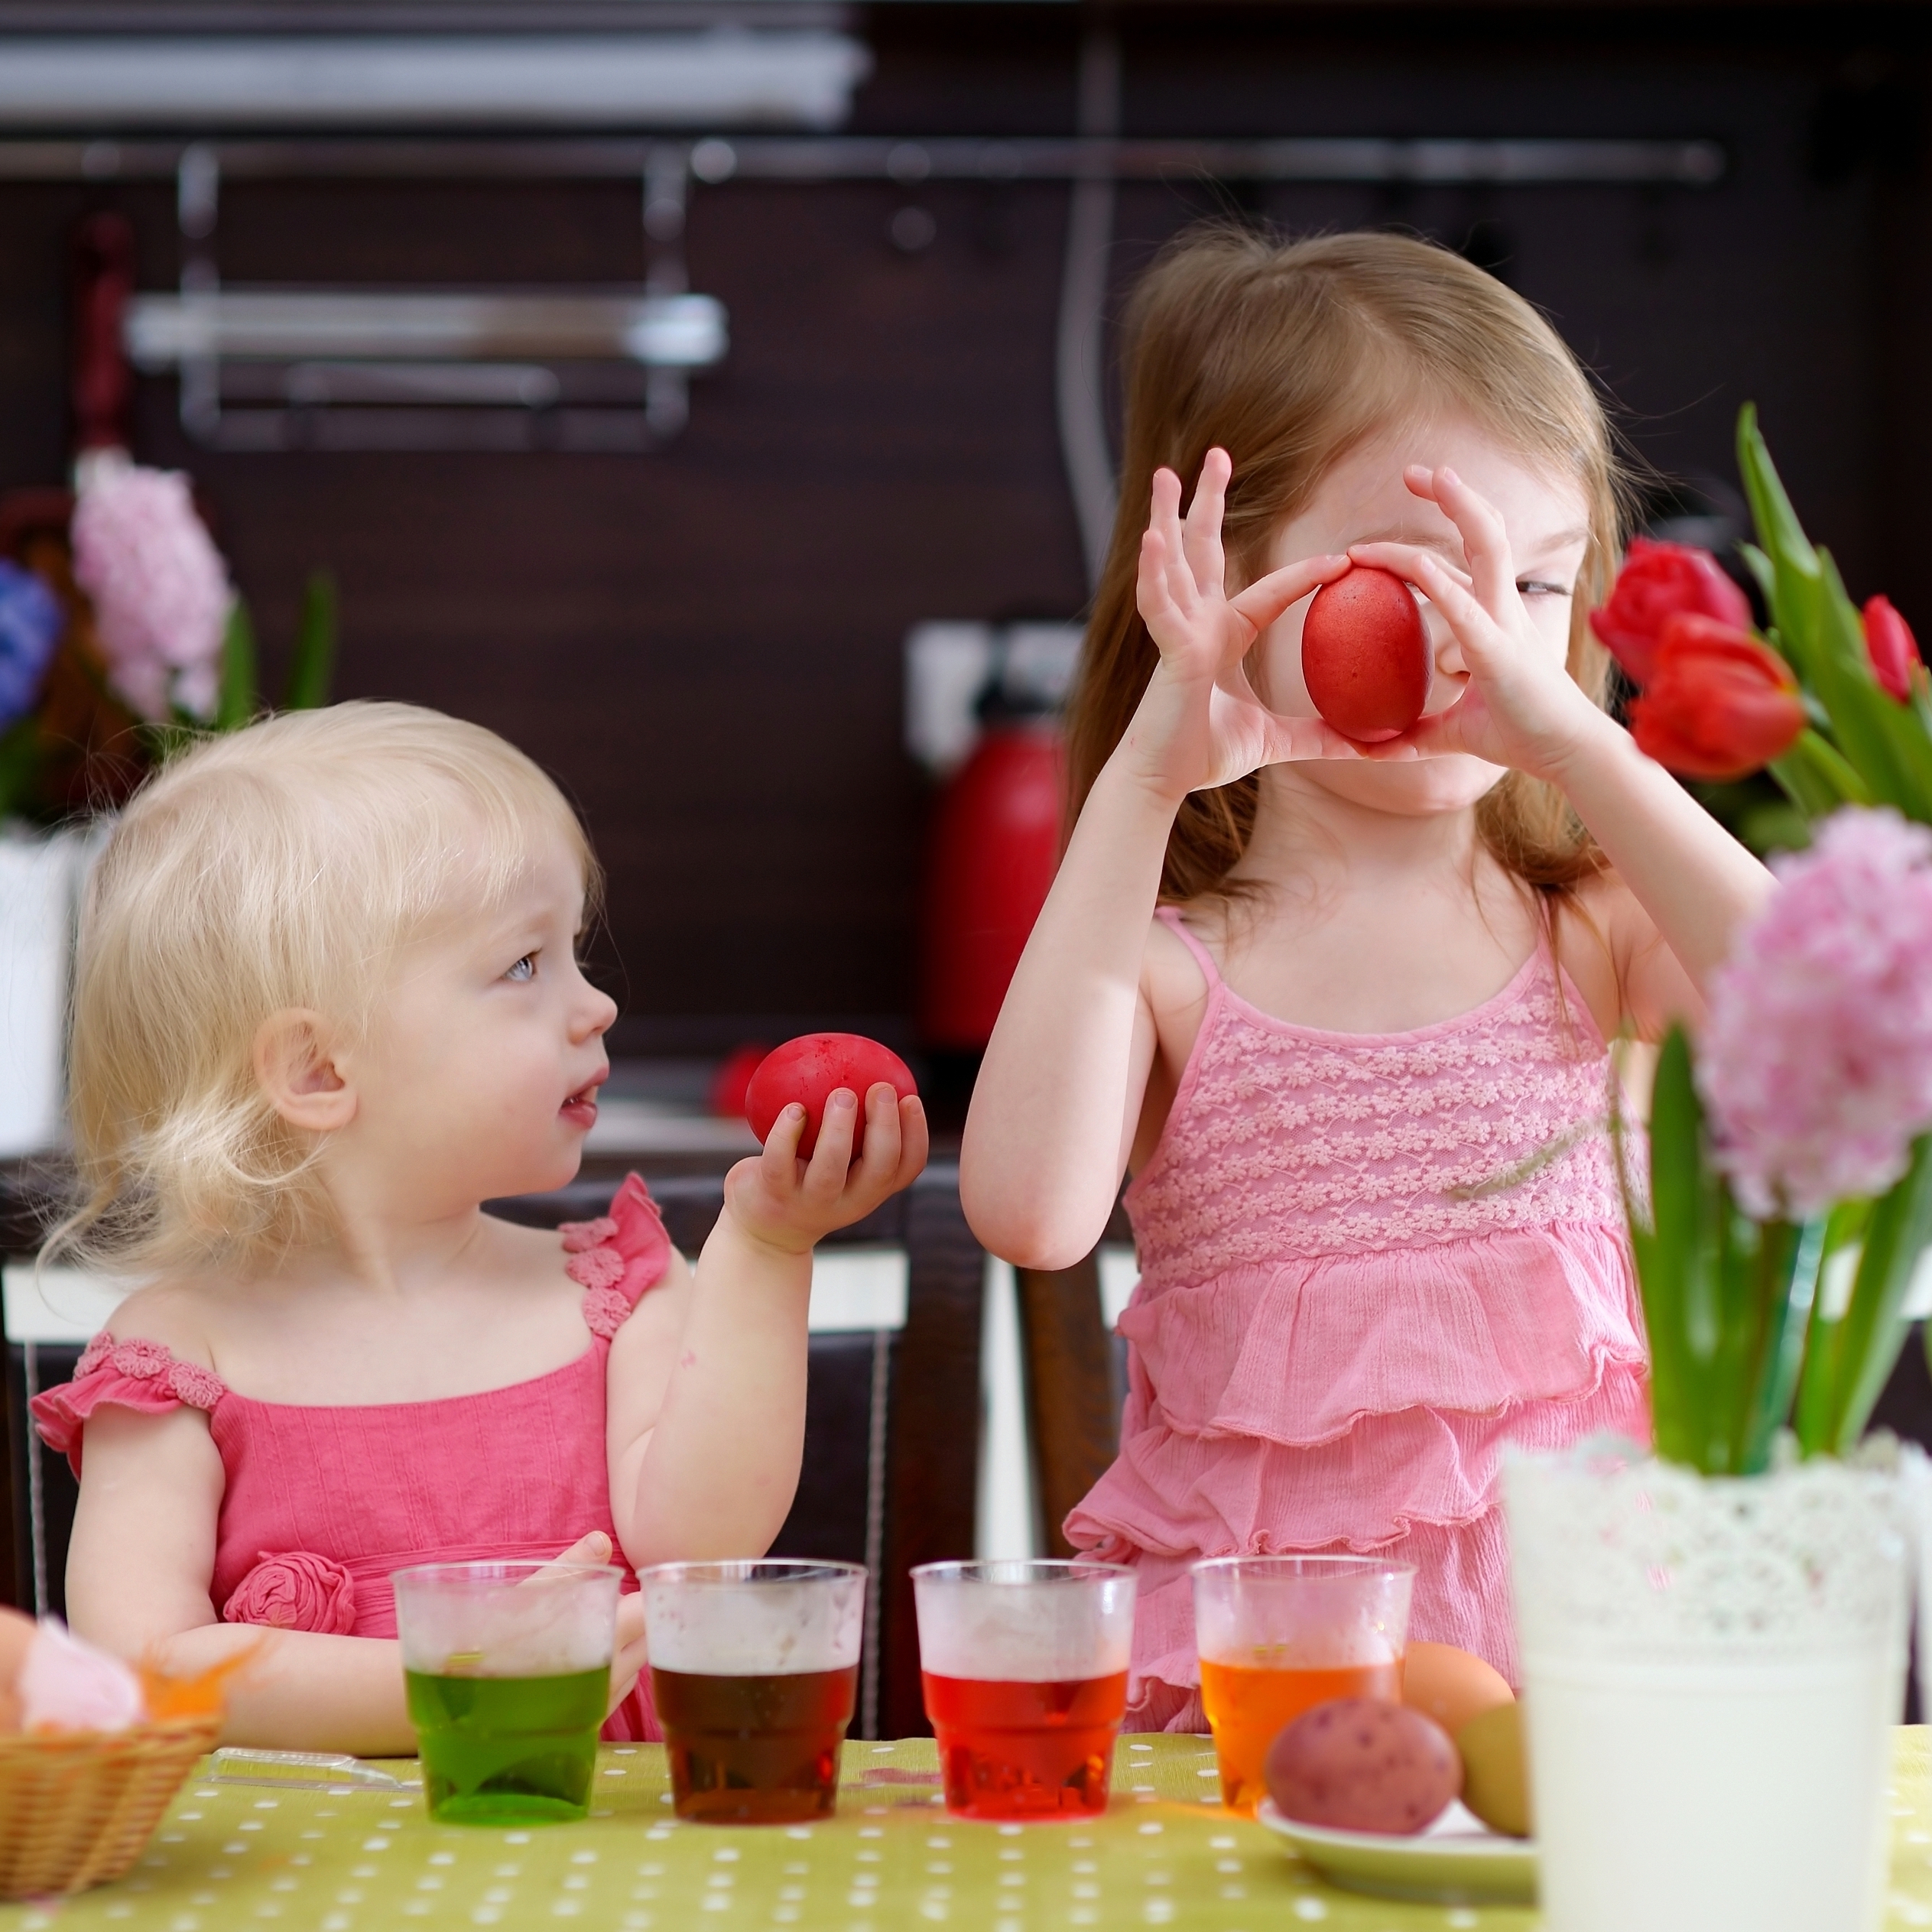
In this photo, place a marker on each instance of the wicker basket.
(76, 1811)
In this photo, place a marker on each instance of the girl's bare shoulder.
(1598, 934)
(1172, 982)
(182, 1313)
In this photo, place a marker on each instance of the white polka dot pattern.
(227, 1860)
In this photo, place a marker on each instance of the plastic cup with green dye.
(507, 1666)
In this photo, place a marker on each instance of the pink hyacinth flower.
(1816, 1062)
(160, 590)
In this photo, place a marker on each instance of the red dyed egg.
(1365, 655)
(811, 1070)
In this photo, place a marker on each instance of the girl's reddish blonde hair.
(1288, 354)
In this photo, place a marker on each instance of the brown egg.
(1450, 1685)
(16, 1633)
(1495, 1776)
(1363, 1764)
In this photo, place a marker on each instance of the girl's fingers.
(1280, 738)
(780, 1159)
(1440, 732)
(1201, 531)
(1268, 597)
(1151, 596)
(593, 1549)
(1456, 598)
(631, 1653)
(878, 1160)
(1475, 627)
(1166, 621)
(1400, 558)
(914, 1142)
(1485, 541)
(825, 1174)
(1166, 519)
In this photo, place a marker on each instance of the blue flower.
(31, 621)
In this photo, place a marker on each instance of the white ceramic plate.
(1458, 1860)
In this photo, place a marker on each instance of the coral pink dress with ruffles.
(1368, 1261)
(322, 1504)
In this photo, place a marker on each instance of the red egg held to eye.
(1365, 655)
(811, 1068)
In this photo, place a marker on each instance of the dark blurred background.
(704, 641)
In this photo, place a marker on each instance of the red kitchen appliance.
(995, 845)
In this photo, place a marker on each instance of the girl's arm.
(1687, 883)
(139, 1573)
(707, 1389)
(1059, 1094)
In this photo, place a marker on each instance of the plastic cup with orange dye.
(1278, 1635)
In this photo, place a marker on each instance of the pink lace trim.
(597, 1268)
(140, 1360)
(578, 1235)
(605, 1252)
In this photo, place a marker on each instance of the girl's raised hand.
(790, 1204)
(1520, 706)
(1199, 723)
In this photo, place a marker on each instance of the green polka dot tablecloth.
(230, 1856)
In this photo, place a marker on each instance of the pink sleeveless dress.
(1368, 1261)
(322, 1504)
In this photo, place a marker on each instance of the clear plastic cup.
(1278, 1635)
(1024, 1667)
(755, 1674)
(507, 1666)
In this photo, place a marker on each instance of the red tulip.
(1719, 703)
(1658, 581)
(1891, 646)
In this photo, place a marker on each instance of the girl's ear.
(295, 1062)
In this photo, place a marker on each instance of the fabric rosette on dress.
(295, 1590)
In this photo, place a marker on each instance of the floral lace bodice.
(1285, 1140)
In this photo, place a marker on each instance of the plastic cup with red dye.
(1025, 1666)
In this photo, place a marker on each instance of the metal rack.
(267, 369)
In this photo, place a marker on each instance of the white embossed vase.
(1712, 1667)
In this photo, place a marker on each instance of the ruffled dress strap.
(619, 1257)
(147, 1377)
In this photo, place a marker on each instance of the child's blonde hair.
(281, 866)
(1287, 356)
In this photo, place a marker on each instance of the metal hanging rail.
(283, 368)
(1426, 162)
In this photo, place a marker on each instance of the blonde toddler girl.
(327, 1004)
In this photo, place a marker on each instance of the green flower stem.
(1817, 778)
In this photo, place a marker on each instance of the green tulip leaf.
(237, 702)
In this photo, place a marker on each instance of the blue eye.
(525, 969)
